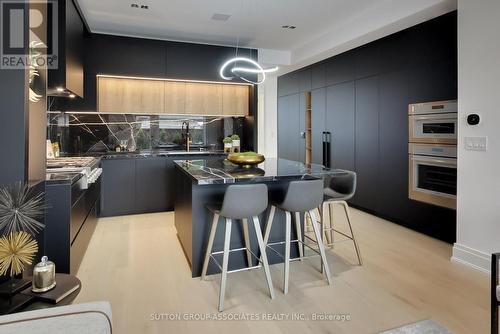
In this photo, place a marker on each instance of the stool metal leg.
(269, 224)
(213, 229)
(321, 246)
(322, 227)
(247, 242)
(298, 229)
(330, 207)
(263, 255)
(225, 261)
(286, 275)
(348, 215)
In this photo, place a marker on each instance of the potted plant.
(236, 143)
(228, 144)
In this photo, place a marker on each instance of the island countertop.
(220, 171)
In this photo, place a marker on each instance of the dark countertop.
(54, 175)
(155, 153)
(62, 178)
(217, 171)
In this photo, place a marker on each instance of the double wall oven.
(432, 151)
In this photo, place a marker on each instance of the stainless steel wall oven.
(432, 149)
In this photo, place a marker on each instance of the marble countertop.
(157, 153)
(217, 171)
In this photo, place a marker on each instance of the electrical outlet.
(476, 143)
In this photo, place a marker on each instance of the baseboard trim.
(471, 257)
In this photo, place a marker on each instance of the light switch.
(476, 143)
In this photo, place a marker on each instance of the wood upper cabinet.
(123, 95)
(175, 97)
(129, 95)
(235, 100)
(203, 98)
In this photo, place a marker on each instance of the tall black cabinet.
(361, 97)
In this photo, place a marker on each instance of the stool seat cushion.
(302, 196)
(498, 293)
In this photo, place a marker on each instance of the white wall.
(478, 207)
(267, 120)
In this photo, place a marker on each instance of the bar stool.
(301, 197)
(340, 188)
(255, 200)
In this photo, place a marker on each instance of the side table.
(21, 302)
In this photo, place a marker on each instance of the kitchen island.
(201, 182)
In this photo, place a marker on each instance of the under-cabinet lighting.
(172, 80)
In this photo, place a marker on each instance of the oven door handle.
(439, 117)
(447, 162)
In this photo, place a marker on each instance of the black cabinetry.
(340, 122)
(118, 187)
(318, 126)
(153, 181)
(289, 131)
(133, 185)
(362, 97)
(70, 222)
(366, 143)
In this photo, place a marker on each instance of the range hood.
(67, 79)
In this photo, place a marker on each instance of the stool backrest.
(344, 183)
(244, 201)
(302, 196)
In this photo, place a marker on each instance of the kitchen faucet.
(186, 135)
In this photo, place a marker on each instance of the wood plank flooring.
(137, 264)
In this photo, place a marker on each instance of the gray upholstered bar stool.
(301, 197)
(255, 199)
(339, 189)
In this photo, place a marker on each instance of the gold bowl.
(246, 161)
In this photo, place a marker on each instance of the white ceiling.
(257, 23)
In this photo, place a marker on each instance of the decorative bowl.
(245, 160)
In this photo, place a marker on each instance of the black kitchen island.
(203, 181)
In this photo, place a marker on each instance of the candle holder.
(44, 276)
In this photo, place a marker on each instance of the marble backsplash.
(81, 133)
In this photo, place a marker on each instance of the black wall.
(127, 56)
(362, 97)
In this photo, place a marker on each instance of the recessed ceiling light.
(220, 17)
(137, 6)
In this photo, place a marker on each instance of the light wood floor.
(137, 264)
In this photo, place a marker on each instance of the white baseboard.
(471, 257)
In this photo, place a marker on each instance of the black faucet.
(185, 134)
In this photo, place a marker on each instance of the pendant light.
(241, 72)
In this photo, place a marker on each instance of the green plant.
(227, 140)
(248, 154)
(235, 137)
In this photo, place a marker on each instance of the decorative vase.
(228, 147)
(236, 146)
